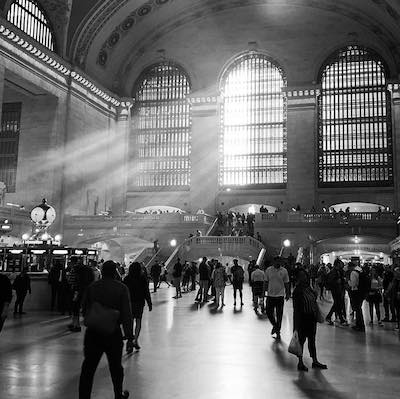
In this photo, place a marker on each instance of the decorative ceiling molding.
(84, 39)
(209, 7)
(25, 43)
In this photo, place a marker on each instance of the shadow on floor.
(315, 386)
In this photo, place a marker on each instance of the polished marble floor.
(196, 352)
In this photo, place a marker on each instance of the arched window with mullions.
(253, 122)
(354, 122)
(30, 17)
(160, 144)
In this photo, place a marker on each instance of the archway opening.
(253, 208)
(358, 207)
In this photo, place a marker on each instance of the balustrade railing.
(165, 217)
(331, 218)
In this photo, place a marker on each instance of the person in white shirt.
(277, 287)
(257, 278)
(356, 296)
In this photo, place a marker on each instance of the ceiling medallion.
(144, 10)
(128, 23)
(102, 58)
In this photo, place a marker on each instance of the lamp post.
(286, 244)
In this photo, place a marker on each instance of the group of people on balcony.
(235, 224)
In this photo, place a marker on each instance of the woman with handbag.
(305, 316)
(374, 297)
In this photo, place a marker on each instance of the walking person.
(139, 294)
(335, 283)
(164, 276)
(237, 276)
(305, 309)
(219, 279)
(112, 295)
(21, 285)
(177, 276)
(155, 273)
(277, 287)
(81, 277)
(388, 278)
(5, 298)
(258, 286)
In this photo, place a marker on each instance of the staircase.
(194, 248)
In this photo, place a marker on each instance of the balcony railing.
(177, 218)
(327, 218)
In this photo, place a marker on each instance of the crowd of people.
(107, 297)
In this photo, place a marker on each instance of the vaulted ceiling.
(112, 40)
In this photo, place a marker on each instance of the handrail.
(152, 259)
(212, 227)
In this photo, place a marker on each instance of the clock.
(43, 214)
(51, 215)
(37, 214)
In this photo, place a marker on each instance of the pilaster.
(301, 145)
(120, 137)
(204, 151)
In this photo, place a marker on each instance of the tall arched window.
(29, 16)
(253, 121)
(160, 145)
(355, 130)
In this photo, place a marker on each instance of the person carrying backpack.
(237, 275)
(360, 285)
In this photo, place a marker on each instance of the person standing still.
(110, 293)
(21, 285)
(177, 276)
(277, 287)
(237, 276)
(357, 298)
(204, 276)
(5, 298)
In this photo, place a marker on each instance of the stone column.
(2, 73)
(301, 147)
(395, 89)
(120, 140)
(204, 153)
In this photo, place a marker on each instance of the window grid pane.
(355, 134)
(27, 16)
(162, 129)
(253, 120)
(9, 140)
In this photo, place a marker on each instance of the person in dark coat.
(138, 286)
(305, 310)
(5, 298)
(21, 285)
(54, 279)
(80, 278)
(112, 294)
(155, 273)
